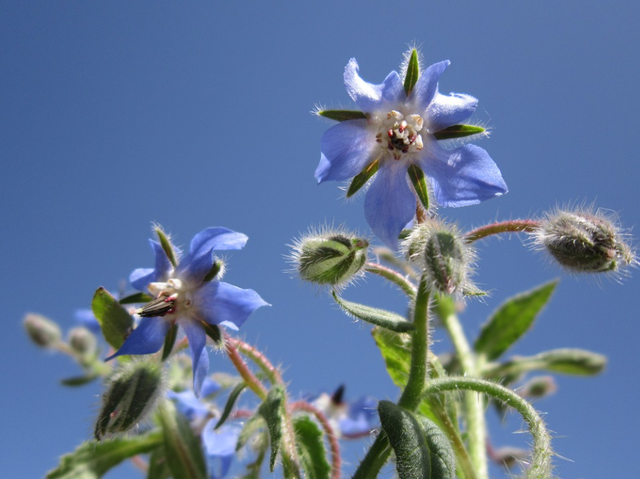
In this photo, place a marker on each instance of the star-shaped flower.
(186, 295)
(395, 137)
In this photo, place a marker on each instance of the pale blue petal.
(346, 149)
(426, 87)
(389, 203)
(370, 97)
(220, 302)
(362, 417)
(209, 386)
(189, 405)
(141, 277)
(147, 338)
(463, 176)
(448, 110)
(199, 356)
(195, 266)
(220, 447)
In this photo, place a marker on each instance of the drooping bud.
(132, 392)
(330, 257)
(83, 342)
(439, 250)
(42, 331)
(584, 242)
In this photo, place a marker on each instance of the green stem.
(540, 467)
(464, 461)
(396, 278)
(473, 403)
(513, 226)
(412, 395)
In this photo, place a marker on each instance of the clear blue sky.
(117, 114)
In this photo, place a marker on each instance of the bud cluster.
(584, 242)
(330, 257)
(441, 253)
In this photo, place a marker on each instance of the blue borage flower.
(350, 419)
(397, 131)
(189, 300)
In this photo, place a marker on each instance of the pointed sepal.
(413, 72)
(361, 178)
(419, 182)
(342, 115)
(379, 317)
(458, 131)
(167, 247)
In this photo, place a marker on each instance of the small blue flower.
(399, 132)
(350, 420)
(190, 301)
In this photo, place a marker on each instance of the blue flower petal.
(463, 176)
(346, 149)
(362, 417)
(427, 86)
(209, 386)
(147, 338)
(140, 278)
(199, 356)
(448, 110)
(220, 302)
(220, 447)
(189, 405)
(195, 266)
(370, 97)
(86, 318)
(389, 204)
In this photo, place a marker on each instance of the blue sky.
(114, 115)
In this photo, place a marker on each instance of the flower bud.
(83, 342)
(538, 387)
(42, 331)
(442, 254)
(132, 392)
(332, 258)
(584, 242)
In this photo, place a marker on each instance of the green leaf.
(79, 380)
(361, 178)
(379, 317)
(115, 321)
(419, 182)
(167, 247)
(458, 131)
(443, 463)
(233, 397)
(413, 72)
(136, 298)
(512, 320)
(158, 467)
(577, 362)
(92, 459)
(342, 115)
(183, 449)
(313, 457)
(169, 341)
(272, 410)
(251, 427)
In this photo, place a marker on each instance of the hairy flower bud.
(442, 254)
(83, 342)
(584, 242)
(330, 257)
(132, 392)
(42, 331)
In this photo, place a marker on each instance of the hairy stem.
(513, 226)
(396, 278)
(258, 358)
(253, 382)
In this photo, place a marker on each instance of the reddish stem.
(254, 384)
(257, 357)
(513, 226)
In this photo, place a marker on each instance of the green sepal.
(158, 467)
(421, 449)
(213, 272)
(342, 115)
(458, 131)
(169, 341)
(233, 397)
(413, 72)
(379, 317)
(92, 460)
(272, 411)
(313, 456)
(79, 380)
(577, 362)
(213, 331)
(361, 178)
(419, 182)
(167, 247)
(512, 319)
(136, 298)
(183, 448)
(115, 321)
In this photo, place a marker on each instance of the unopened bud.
(132, 392)
(442, 254)
(332, 258)
(83, 342)
(584, 242)
(42, 331)
(538, 387)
